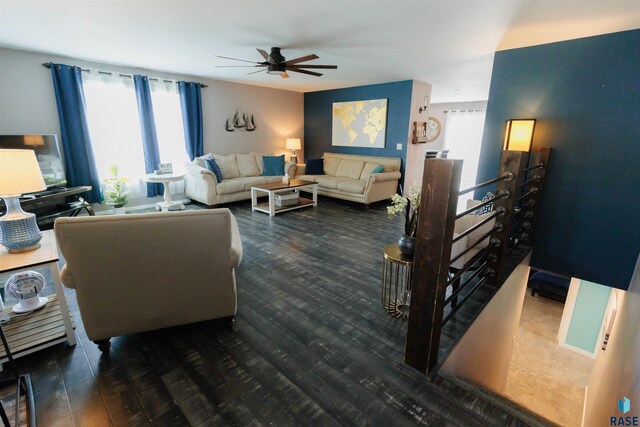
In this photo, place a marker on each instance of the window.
(463, 138)
(112, 113)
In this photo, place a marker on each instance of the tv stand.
(53, 203)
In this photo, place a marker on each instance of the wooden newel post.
(440, 183)
(511, 163)
(531, 204)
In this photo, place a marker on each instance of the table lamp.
(293, 144)
(19, 174)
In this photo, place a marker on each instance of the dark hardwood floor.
(311, 345)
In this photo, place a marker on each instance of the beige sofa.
(135, 273)
(349, 177)
(239, 172)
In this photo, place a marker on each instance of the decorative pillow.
(378, 169)
(211, 164)
(273, 165)
(228, 165)
(330, 165)
(368, 169)
(486, 208)
(247, 165)
(350, 169)
(314, 167)
(199, 161)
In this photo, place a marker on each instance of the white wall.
(27, 104)
(416, 152)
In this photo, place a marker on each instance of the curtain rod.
(130, 76)
(471, 110)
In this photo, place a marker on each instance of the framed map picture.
(360, 123)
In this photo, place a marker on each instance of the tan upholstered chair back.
(136, 273)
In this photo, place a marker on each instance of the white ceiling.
(448, 43)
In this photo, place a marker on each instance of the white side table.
(165, 179)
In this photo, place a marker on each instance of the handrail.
(534, 190)
(478, 206)
(507, 176)
(538, 165)
(497, 227)
(477, 257)
(466, 297)
(466, 282)
(500, 211)
(534, 178)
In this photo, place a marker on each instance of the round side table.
(397, 270)
(165, 179)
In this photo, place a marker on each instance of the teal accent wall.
(588, 313)
(318, 110)
(585, 94)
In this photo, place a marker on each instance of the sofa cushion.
(314, 167)
(330, 182)
(353, 186)
(311, 178)
(228, 165)
(247, 165)
(271, 179)
(330, 165)
(273, 165)
(369, 168)
(251, 181)
(258, 157)
(230, 186)
(350, 169)
(211, 164)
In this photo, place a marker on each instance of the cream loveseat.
(240, 172)
(135, 273)
(349, 177)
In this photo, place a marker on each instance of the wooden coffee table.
(273, 188)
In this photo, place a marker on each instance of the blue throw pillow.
(273, 165)
(213, 167)
(314, 167)
(378, 169)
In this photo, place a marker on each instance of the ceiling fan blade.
(237, 66)
(311, 73)
(324, 67)
(256, 72)
(266, 56)
(236, 59)
(301, 59)
(284, 75)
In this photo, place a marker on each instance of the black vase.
(407, 245)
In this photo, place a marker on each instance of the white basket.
(287, 198)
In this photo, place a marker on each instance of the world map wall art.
(360, 123)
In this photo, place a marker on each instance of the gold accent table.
(397, 270)
(46, 326)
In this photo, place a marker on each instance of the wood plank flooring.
(311, 346)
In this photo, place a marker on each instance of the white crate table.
(273, 188)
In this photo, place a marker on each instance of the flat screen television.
(47, 153)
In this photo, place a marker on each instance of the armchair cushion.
(273, 165)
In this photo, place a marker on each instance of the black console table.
(53, 203)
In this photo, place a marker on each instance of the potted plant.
(409, 205)
(114, 191)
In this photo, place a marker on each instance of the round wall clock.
(433, 129)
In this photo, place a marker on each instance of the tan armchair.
(135, 273)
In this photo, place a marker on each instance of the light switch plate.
(398, 146)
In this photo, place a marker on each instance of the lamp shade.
(293, 144)
(19, 173)
(518, 134)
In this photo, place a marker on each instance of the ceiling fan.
(275, 63)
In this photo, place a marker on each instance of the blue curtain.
(76, 141)
(191, 105)
(148, 127)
